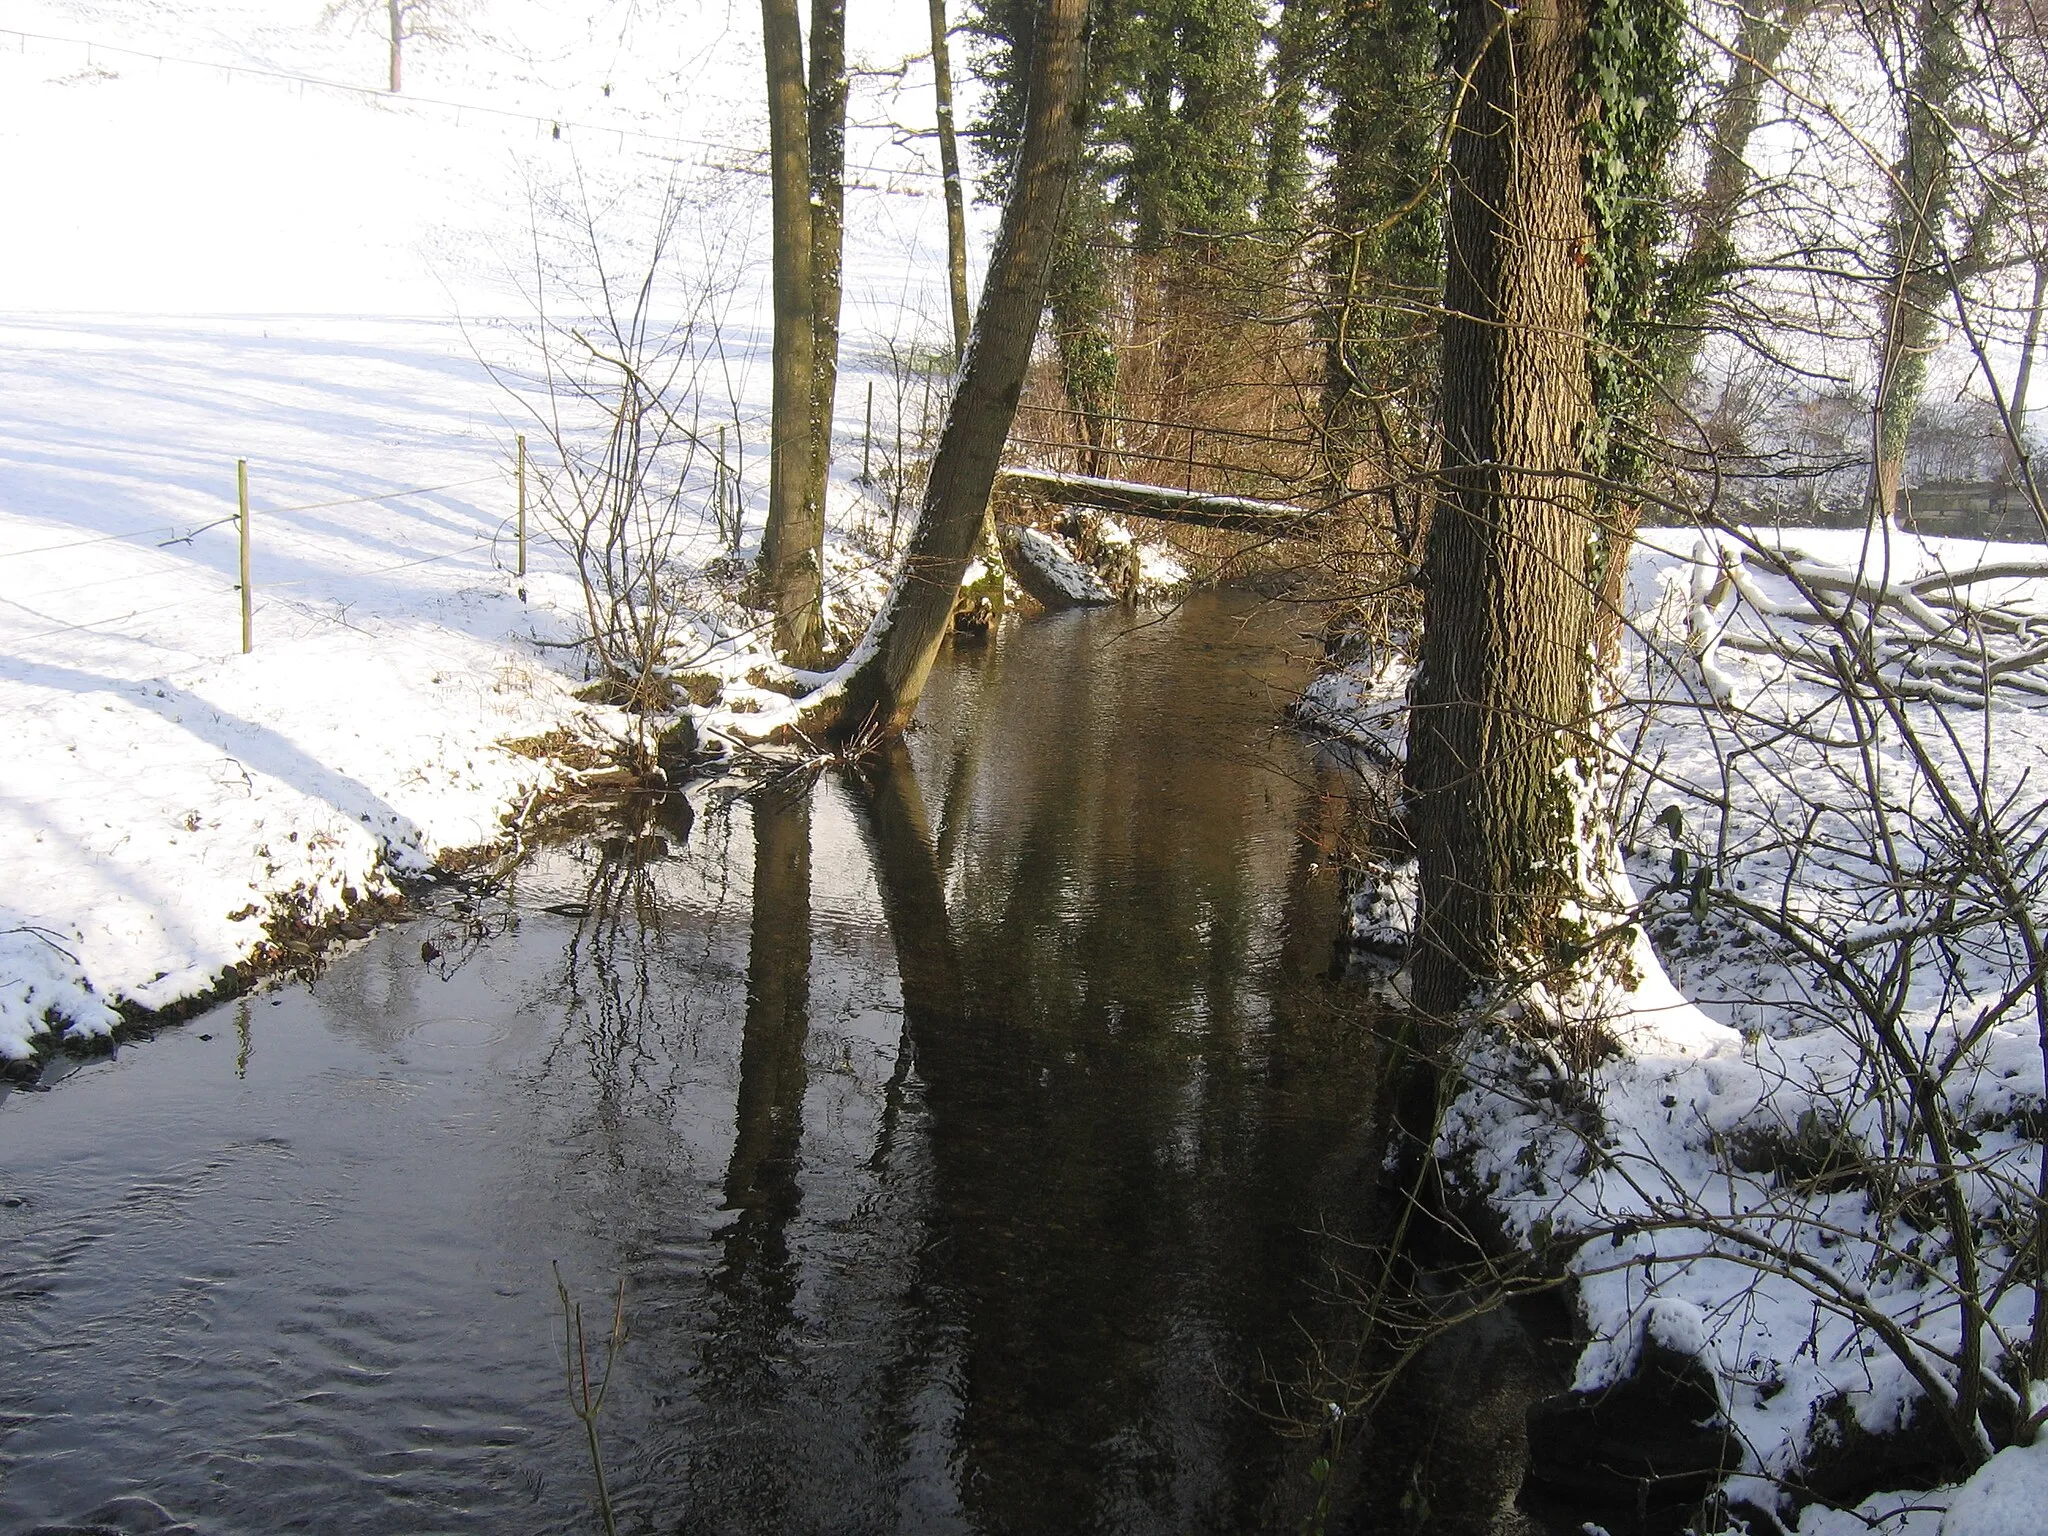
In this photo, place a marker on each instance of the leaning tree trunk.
(880, 683)
(1501, 698)
(949, 171)
(792, 544)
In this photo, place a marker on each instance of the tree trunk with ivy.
(1379, 71)
(1294, 37)
(880, 685)
(1709, 255)
(1078, 307)
(1500, 701)
(1635, 65)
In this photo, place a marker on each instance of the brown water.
(963, 1132)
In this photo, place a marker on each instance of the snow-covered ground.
(1740, 1171)
(228, 244)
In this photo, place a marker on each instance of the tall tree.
(1381, 80)
(827, 107)
(1081, 299)
(879, 685)
(1634, 67)
(1294, 38)
(949, 174)
(792, 543)
(402, 21)
(1763, 31)
(1918, 273)
(1501, 695)
(1180, 120)
(2030, 340)
(395, 29)
(806, 176)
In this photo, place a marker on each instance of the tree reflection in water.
(1036, 1266)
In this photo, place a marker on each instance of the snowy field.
(229, 245)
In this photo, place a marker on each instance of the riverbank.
(1738, 1173)
(173, 810)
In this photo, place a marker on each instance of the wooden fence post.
(522, 508)
(242, 505)
(867, 437)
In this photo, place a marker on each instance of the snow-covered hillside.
(228, 244)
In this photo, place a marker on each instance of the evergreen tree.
(1175, 165)
(1179, 127)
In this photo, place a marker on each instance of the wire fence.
(245, 519)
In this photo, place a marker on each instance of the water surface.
(963, 1131)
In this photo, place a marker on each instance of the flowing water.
(965, 1134)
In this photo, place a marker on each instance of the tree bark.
(949, 171)
(394, 12)
(878, 687)
(793, 540)
(1500, 701)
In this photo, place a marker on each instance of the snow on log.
(1055, 578)
(1128, 498)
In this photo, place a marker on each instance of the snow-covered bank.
(163, 794)
(1805, 898)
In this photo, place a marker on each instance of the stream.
(971, 1136)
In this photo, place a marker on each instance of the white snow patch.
(160, 792)
(2007, 1496)
(1055, 562)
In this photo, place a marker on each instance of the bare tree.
(612, 373)
(949, 170)
(403, 21)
